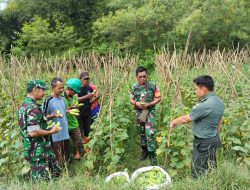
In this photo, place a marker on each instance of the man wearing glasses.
(144, 96)
(84, 119)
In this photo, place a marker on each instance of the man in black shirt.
(84, 97)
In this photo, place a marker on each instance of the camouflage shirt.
(145, 93)
(30, 114)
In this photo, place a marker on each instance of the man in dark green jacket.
(206, 117)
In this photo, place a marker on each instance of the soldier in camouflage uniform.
(35, 135)
(144, 97)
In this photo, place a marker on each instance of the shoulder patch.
(204, 99)
(195, 106)
(135, 85)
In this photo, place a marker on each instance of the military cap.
(37, 84)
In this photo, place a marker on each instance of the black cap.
(84, 75)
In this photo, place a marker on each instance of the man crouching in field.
(36, 138)
(206, 117)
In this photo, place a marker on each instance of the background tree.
(155, 23)
(136, 26)
(38, 37)
(216, 23)
(79, 14)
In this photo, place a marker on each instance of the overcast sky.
(2, 5)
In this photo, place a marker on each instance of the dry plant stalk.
(169, 65)
(110, 84)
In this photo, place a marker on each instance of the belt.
(198, 138)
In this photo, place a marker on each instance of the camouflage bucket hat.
(36, 84)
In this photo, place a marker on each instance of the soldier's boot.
(144, 153)
(152, 158)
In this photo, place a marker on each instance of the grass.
(227, 176)
(174, 77)
(130, 159)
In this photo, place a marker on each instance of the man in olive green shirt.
(206, 117)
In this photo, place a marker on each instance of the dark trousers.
(84, 124)
(62, 150)
(204, 155)
(75, 135)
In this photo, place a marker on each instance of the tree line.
(71, 27)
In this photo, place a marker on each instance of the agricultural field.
(114, 143)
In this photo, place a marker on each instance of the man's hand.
(56, 129)
(58, 114)
(95, 97)
(147, 105)
(70, 108)
(54, 115)
(172, 124)
(90, 95)
(41, 133)
(219, 125)
(181, 120)
(142, 105)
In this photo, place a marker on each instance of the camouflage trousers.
(147, 130)
(45, 168)
(43, 163)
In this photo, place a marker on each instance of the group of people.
(70, 111)
(206, 118)
(47, 155)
